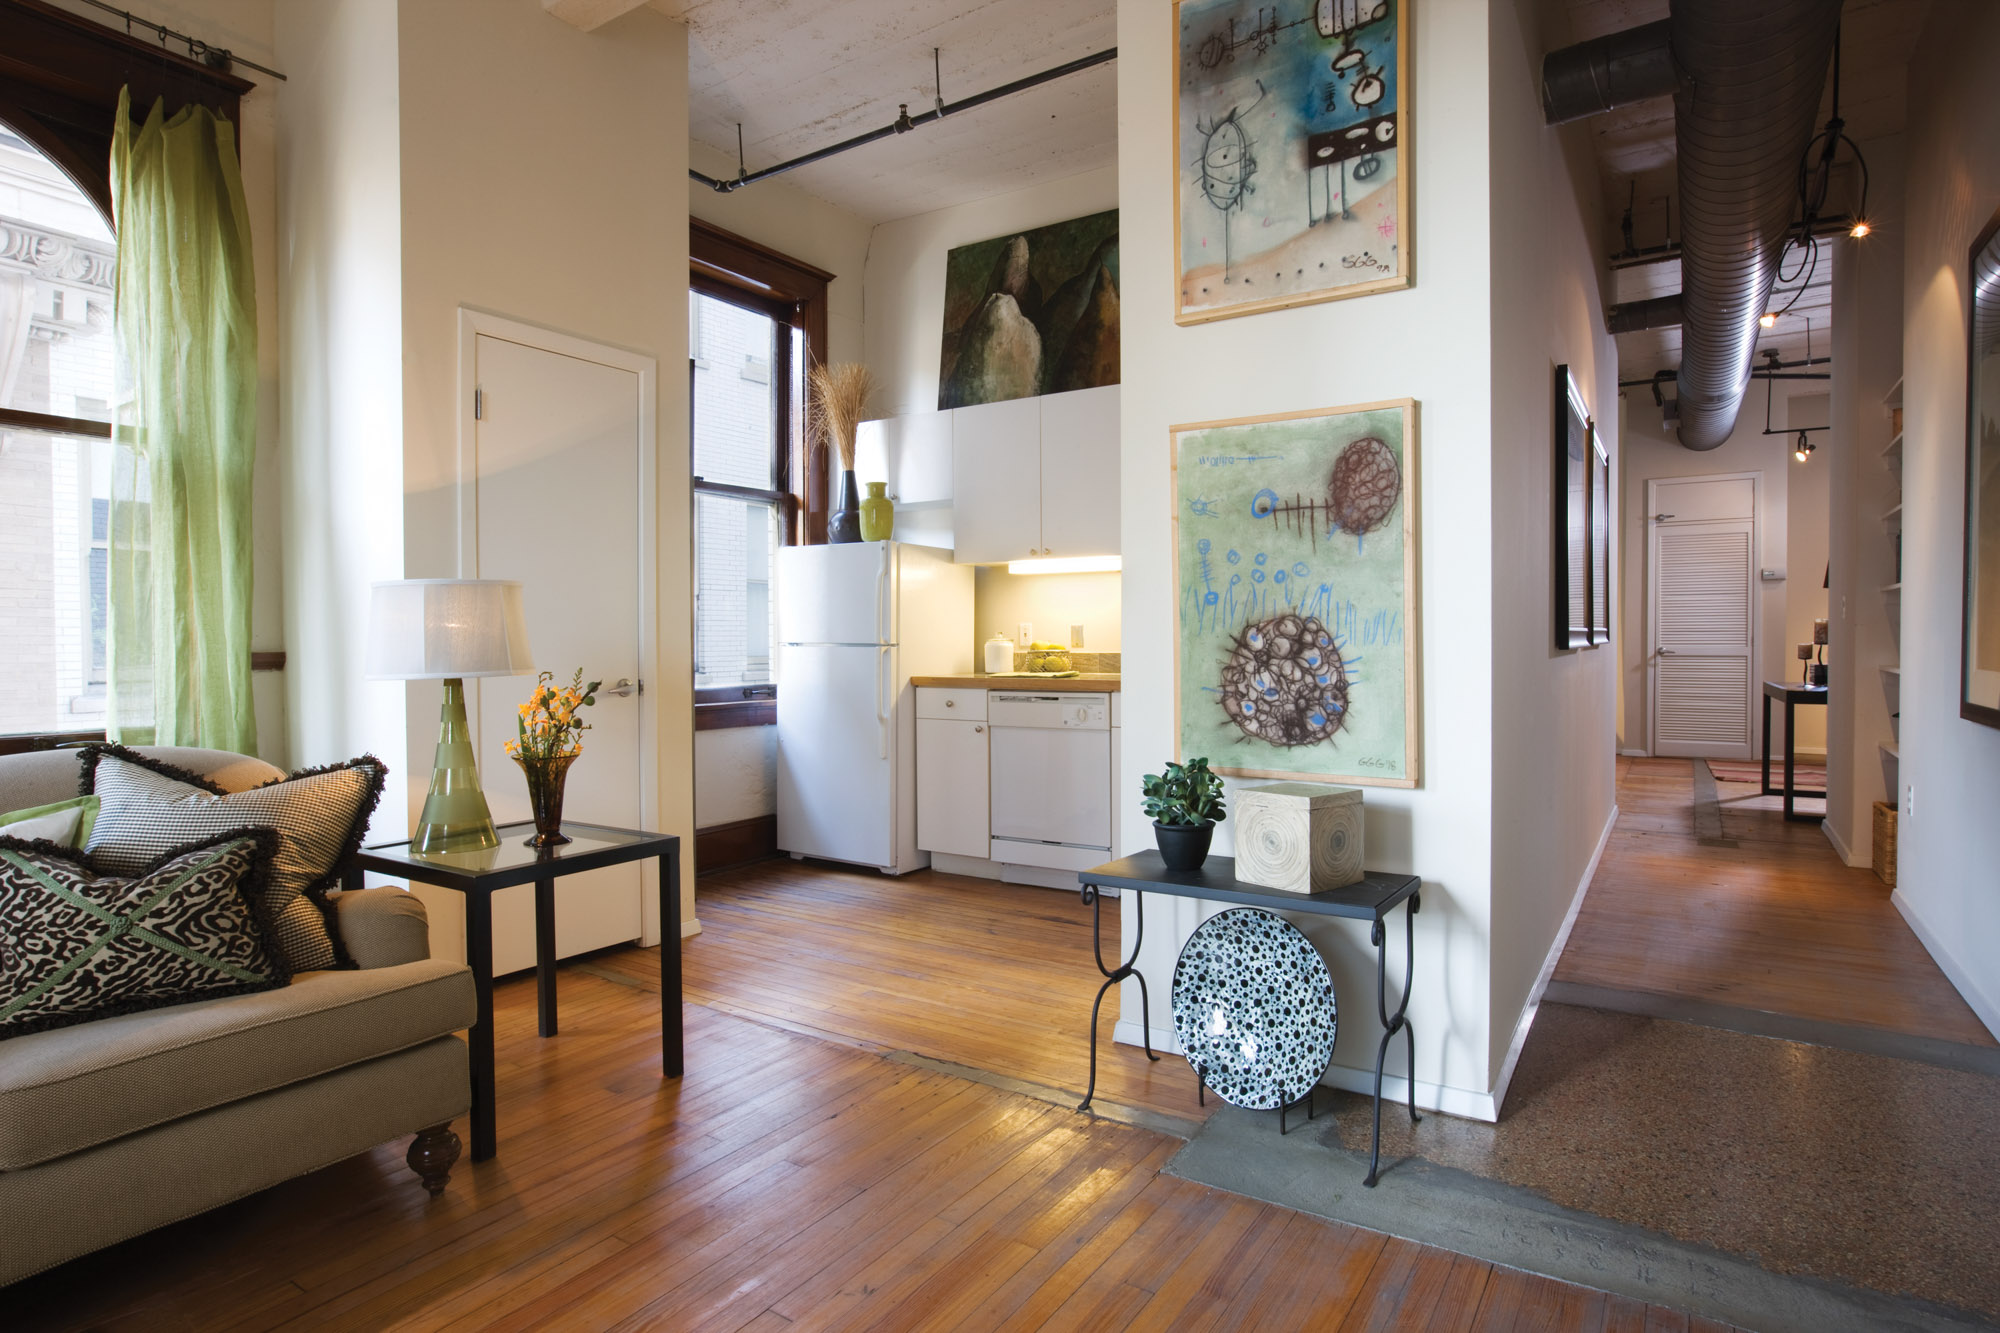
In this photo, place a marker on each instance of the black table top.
(591, 847)
(1369, 900)
(1796, 691)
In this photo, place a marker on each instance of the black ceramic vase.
(844, 523)
(1183, 846)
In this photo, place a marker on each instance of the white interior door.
(560, 507)
(1702, 597)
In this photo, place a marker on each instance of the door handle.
(1661, 518)
(623, 689)
(1666, 652)
(882, 700)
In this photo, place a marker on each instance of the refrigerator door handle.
(881, 699)
(882, 607)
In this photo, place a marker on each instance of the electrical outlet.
(1076, 636)
(1026, 634)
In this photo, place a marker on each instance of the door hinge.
(479, 404)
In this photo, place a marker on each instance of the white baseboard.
(1840, 849)
(1534, 1004)
(691, 927)
(1430, 1096)
(1637, 754)
(1983, 1006)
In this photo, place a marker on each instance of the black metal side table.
(1792, 694)
(480, 874)
(1370, 900)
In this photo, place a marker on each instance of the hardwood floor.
(800, 1181)
(1776, 922)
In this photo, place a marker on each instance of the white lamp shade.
(435, 629)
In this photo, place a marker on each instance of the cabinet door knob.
(951, 703)
(977, 729)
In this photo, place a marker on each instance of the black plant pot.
(844, 524)
(1183, 846)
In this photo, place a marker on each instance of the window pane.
(55, 289)
(733, 418)
(733, 558)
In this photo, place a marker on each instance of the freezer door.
(836, 752)
(837, 594)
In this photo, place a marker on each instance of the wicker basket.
(1885, 843)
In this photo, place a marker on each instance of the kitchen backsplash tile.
(1088, 663)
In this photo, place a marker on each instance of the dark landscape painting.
(1034, 312)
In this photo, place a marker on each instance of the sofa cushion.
(67, 822)
(319, 815)
(76, 945)
(63, 1091)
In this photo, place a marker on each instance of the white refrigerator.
(855, 622)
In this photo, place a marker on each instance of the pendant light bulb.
(1859, 229)
(1768, 319)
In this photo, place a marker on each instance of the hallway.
(1772, 924)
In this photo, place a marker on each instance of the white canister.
(999, 654)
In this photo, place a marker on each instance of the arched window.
(57, 399)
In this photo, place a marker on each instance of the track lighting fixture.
(1769, 319)
(1804, 448)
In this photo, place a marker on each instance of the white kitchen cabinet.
(953, 790)
(997, 481)
(1080, 472)
(912, 453)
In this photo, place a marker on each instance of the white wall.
(905, 290)
(1652, 453)
(543, 178)
(1948, 840)
(1432, 343)
(1868, 351)
(340, 289)
(737, 774)
(1052, 603)
(1552, 711)
(1807, 496)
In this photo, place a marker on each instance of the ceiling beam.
(589, 15)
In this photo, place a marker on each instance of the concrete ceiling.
(802, 74)
(1634, 150)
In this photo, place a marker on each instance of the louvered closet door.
(1703, 618)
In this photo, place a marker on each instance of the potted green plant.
(1185, 803)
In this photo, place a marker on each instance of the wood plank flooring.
(1775, 923)
(799, 1182)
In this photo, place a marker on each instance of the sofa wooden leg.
(432, 1155)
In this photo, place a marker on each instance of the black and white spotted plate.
(1253, 1008)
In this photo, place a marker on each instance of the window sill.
(736, 713)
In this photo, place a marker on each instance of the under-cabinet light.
(1068, 564)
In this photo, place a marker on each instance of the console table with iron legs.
(1370, 900)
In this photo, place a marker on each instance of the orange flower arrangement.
(549, 727)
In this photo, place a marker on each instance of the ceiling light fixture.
(1804, 448)
(1769, 319)
(1816, 176)
(1859, 229)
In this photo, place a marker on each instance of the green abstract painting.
(1035, 312)
(1295, 594)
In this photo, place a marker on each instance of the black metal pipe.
(1660, 312)
(906, 122)
(1607, 72)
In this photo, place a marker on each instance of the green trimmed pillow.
(78, 945)
(67, 822)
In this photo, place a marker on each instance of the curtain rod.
(903, 123)
(215, 57)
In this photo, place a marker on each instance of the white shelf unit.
(1892, 457)
(1892, 675)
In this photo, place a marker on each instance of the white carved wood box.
(1301, 837)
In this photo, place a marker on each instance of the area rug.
(1811, 777)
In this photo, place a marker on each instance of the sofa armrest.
(383, 927)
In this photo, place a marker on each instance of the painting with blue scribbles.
(1295, 594)
(1291, 153)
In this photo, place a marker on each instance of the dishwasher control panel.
(1072, 712)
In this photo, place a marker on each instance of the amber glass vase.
(545, 796)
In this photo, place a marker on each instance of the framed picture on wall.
(1292, 155)
(1295, 610)
(1979, 688)
(1600, 536)
(1573, 462)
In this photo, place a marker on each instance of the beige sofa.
(109, 1129)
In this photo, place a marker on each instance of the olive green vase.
(878, 514)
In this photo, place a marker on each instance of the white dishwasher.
(1051, 778)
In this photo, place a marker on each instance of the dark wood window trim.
(59, 80)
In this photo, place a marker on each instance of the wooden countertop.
(1088, 683)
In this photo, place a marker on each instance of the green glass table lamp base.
(455, 817)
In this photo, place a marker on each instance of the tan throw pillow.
(319, 816)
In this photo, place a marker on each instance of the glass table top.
(513, 853)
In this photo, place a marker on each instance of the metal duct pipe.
(1659, 312)
(1608, 72)
(1743, 115)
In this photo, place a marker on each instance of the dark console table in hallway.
(1792, 694)
(1370, 900)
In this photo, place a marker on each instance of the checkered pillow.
(318, 814)
(77, 945)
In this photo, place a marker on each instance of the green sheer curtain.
(186, 435)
